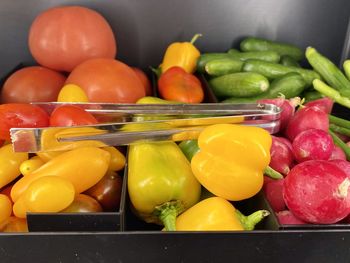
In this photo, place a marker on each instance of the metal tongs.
(124, 124)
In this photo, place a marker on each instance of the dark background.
(144, 28)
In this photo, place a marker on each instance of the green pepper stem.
(341, 144)
(272, 173)
(249, 222)
(194, 38)
(168, 212)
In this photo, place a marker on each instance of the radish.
(312, 144)
(274, 194)
(325, 104)
(287, 107)
(305, 119)
(317, 191)
(281, 155)
(337, 154)
(343, 165)
(286, 217)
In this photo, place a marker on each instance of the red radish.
(312, 144)
(286, 217)
(325, 104)
(317, 192)
(274, 194)
(305, 119)
(287, 107)
(343, 165)
(281, 155)
(337, 154)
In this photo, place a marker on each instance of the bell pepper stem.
(249, 222)
(194, 38)
(168, 212)
(272, 173)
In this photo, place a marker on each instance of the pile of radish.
(316, 184)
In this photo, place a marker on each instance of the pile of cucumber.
(261, 69)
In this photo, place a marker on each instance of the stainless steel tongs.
(123, 124)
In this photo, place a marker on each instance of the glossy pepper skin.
(83, 167)
(160, 182)
(181, 54)
(232, 160)
(217, 214)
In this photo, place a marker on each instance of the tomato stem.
(194, 38)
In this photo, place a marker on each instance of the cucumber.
(206, 57)
(289, 61)
(243, 84)
(290, 85)
(273, 70)
(258, 44)
(233, 51)
(237, 100)
(346, 67)
(312, 95)
(329, 71)
(223, 66)
(269, 56)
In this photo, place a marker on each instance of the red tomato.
(70, 115)
(108, 191)
(21, 115)
(177, 85)
(107, 80)
(63, 37)
(83, 204)
(145, 81)
(32, 84)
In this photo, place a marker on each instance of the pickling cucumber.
(223, 66)
(269, 56)
(258, 44)
(273, 70)
(329, 71)
(289, 61)
(290, 85)
(243, 84)
(206, 57)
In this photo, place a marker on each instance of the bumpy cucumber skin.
(289, 61)
(206, 57)
(312, 95)
(243, 84)
(238, 100)
(273, 70)
(258, 44)
(290, 85)
(223, 66)
(329, 71)
(269, 56)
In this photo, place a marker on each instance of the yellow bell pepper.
(217, 214)
(232, 160)
(181, 54)
(160, 182)
(83, 167)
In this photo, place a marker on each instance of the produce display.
(190, 185)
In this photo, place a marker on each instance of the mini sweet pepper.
(181, 54)
(217, 214)
(232, 160)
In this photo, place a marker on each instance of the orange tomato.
(63, 37)
(32, 84)
(107, 80)
(145, 81)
